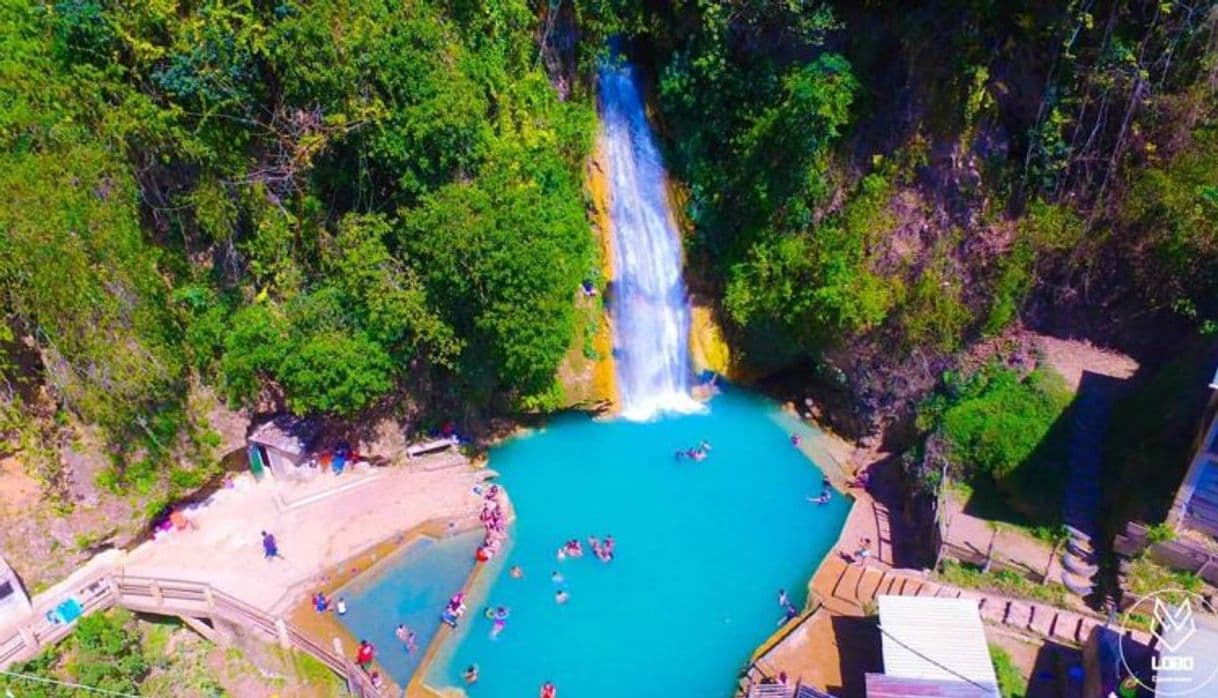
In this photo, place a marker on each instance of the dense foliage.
(991, 427)
(338, 207)
(103, 652)
(316, 202)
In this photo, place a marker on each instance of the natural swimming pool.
(410, 589)
(702, 550)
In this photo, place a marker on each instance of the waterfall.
(649, 305)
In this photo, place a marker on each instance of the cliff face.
(587, 371)
(881, 194)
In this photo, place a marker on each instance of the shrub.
(996, 419)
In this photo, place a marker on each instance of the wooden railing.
(175, 597)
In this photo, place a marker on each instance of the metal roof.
(286, 433)
(885, 686)
(938, 639)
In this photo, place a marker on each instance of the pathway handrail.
(173, 597)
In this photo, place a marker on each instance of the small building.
(933, 647)
(282, 446)
(14, 602)
(1196, 503)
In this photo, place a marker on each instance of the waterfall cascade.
(650, 309)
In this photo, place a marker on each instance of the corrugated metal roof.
(885, 686)
(286, 433)
(937, 639)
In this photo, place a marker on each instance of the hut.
(282, 447)
(932, 647)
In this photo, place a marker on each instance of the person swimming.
(471, 673)
(497, 627)
(824, 497)
(516, 572)
(561, 596)
(556, 577)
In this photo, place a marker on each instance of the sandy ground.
(1073, 357)
(364, 508)
(1010, 544)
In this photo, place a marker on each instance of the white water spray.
(650, 309)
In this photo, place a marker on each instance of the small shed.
(14, 602)
(282, 446)
(932, 647)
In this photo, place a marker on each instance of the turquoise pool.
(702, 550)
(410, 588)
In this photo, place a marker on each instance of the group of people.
(323, 603)
(498, 617)
(364, 657)
(454, 610)
(603, 549)
(697, 453)
(494, 522)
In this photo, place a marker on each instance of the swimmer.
(561, 596)
(789, 613)
(471, 673)
(548, 691)
(401, 634)
(502, 613)
(497, 627)
(795, 440)
(556, 577)
(782, 598)
(516, 572)
(562, 554)
(449, 618)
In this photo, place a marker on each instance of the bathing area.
(650, 552)
(702, 547)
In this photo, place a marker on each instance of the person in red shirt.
(365, 654)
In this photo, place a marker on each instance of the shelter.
(14, 602)
(932, 647)
(1196, 503)
(282, 446)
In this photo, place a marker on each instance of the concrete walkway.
(318, 525)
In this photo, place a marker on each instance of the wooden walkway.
(198, 605)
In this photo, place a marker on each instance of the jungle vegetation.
(331, 207)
